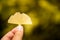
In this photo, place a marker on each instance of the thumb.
(19, 33)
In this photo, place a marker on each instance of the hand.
(14, 34)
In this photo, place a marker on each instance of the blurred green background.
(45, 15)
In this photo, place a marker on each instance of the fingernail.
(20, 28)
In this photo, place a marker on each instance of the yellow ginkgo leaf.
(19, 18)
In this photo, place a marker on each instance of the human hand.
(14, 34)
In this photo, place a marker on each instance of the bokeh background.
(45, 15)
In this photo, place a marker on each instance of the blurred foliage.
(45, 15)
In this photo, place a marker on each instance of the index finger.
(10, 34)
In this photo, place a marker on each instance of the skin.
(14, 34)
